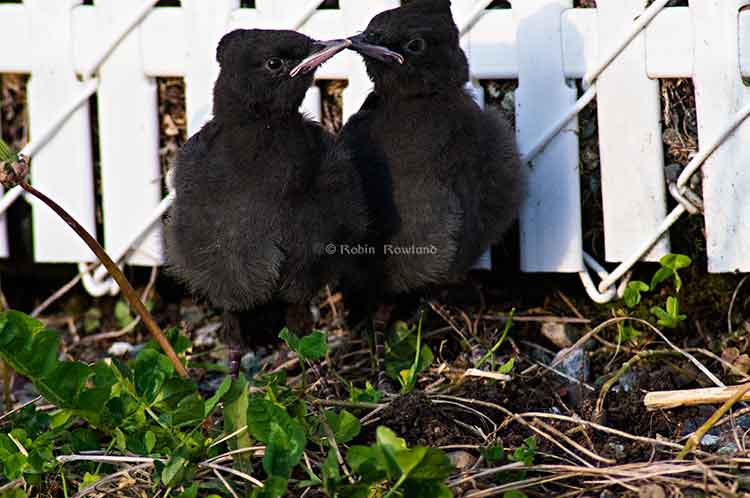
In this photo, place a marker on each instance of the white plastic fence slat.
(630, 145)
(311, 106)
(669, 44)
(164, 39)
(719, 94)
(580, 41)
(63, 168)
(129, 140)
(206, 22)
(550, 219)
(16, 33)
(491, 45)
(356, 15)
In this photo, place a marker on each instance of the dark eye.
(274, 63)
(416, 45)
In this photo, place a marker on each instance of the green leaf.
(627, 333)
(524, 453)
(514, 493)
(189, 411)
(426, 489)
(220, 392)
(122, 314)
(6, 153)
(273, 487)
(331, 474)
(15, 493)
(404, 346)
(670, 264)
(235, 417)
(506, 367)
(309, 347)
(367, 395)
(179, 342)
(84, 439)
(190, 492)
(660, 276)
(632, 294)
(149, 439)
(671, 317)
(270, 424)
(88, 480)
(675, 261)
(493, 454)
(151, 370)
(92, 320)
(434, 464)
(32, 351)
(344, 425)
(363, 461)
(174, 471)
(388, 439)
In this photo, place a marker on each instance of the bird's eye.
(274, 63)
(416, 45)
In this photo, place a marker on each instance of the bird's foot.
(235, 362)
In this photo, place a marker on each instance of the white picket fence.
(117, 48)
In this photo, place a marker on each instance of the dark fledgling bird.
(260, 190)
(439, 173)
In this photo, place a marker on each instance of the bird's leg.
(380, 322)
(232, 335)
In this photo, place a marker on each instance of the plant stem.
(491, 352)
(697, 437)
(125, 287)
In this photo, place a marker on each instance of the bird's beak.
(374, 51)
(325, 50)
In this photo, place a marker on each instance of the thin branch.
(125, 287)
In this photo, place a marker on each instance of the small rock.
(120, 348)
(462, 460)
(627, 381)
(557, 333)
(191, 314)
(652, 491)
(728, 449)
(206, 335)
(576, 364)
(710, 440)
(618, 449)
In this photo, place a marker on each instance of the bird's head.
(266, 73)
(413, 50)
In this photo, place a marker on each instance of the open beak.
(326, 50)
(374, 51)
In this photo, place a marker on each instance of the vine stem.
(125, 287)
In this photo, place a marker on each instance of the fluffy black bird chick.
(453, 180)
(260, 189)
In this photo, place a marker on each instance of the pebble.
(120, 348)
(652, 491)
(557, 333)
(205, 337)
(462, 460)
